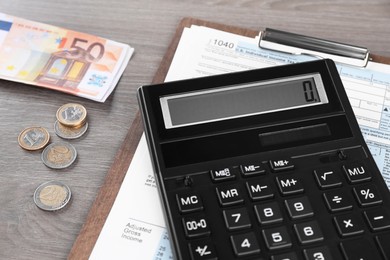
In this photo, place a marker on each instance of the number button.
(299, 208)
(196, 226)
(286, 256)
(308, 232)
(245, 244)
(277, 238)
(268, 213)
(318, 253)
(237, 219)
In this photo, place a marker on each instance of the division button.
(337, 201)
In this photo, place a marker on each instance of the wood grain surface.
(149, 25)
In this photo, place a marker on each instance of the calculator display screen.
(236, 101)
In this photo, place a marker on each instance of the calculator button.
(308, 232)
(230, 195)
(223, 174)
(277, 238)
(252, 169)
(367, 195)
(317, 253)
(348, 225)
(189, 202)
(383, 243)
(360, 249)
(356, 172)
(237, 219)
(196, 226)
(268, 213)
(378, 219)
(281, 165)
(203, 250)
(286, 256)
(259, 190)
(245, 244)
(289, 185)
(299, 208)
(327, 178)
(337, 201)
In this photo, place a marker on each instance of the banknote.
(56, 58)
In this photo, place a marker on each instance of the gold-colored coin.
(34, 138)
(52, 195)
(72, 115)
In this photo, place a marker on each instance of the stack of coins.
(71, 121)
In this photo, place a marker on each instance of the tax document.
(135, 227)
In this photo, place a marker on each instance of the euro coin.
(34, 138)
(66, 132)
(52, 196)
(59, 155)
(72, 115)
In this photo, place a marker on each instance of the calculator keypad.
(286, 209)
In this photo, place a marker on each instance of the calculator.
(265, 164)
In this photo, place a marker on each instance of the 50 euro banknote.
(56, 58)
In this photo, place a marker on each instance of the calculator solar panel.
(265, 164)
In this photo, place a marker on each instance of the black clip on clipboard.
(300, 44)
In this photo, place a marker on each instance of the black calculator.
(265, 164)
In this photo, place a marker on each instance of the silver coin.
(69, 132)
(52, 196)
(59, 155)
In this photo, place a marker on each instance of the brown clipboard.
(101, 207)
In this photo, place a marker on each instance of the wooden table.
(30, 233)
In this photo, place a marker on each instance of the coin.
(33, 138)
(69, 132)
(52, 195)
(59, 155)
(72, 115)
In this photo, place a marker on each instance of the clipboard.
(102, 205)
